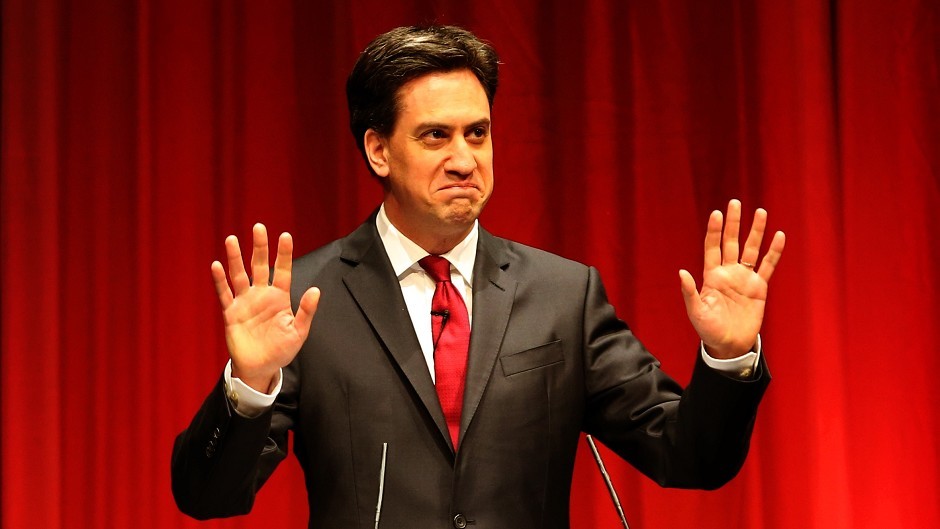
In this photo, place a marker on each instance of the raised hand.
(728, 312)
(261, 331)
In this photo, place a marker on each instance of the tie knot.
(437, 267)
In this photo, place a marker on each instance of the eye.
(434, 137)
(478, 134)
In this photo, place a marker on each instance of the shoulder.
(334, 260)
(320, 257)
(524, 262)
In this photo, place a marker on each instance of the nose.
(461, 161)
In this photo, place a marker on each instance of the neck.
(436, 238)
(435, 243)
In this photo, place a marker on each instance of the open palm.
(261, 331)
(728, 311)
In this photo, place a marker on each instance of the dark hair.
(404, 54)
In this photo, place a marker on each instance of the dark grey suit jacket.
(548, 360)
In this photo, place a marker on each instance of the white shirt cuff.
(740, 367)
(247, 401)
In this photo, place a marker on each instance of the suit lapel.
(372, 283)
(493, 293)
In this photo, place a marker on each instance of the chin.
(463, 214)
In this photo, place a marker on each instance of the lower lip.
(461, 190)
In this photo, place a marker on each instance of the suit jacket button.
(460, 521)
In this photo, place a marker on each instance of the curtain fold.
(137, 135)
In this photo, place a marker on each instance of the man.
(478, 377)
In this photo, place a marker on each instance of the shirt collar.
(405, 254)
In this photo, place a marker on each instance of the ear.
(377, 152)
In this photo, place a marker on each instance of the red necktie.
(450, 331)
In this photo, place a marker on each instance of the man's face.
(438, 161)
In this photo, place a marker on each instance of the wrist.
(727, 352)
(261, 382)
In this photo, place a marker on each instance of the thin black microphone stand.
(610, 485)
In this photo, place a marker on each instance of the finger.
(689, 293)
(769, 263)
(729, 251)
(754, 238)
(221, 285)
(259, 256)
(236, 268)
(713, 241)
(283, 262)
(306, 310)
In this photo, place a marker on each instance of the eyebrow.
(482, 122)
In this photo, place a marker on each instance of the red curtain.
(137, 135)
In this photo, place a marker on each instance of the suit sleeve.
(696, 437)
(221, 460)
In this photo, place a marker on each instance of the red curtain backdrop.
(137, 135)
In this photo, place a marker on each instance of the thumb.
(306, 310)
(689, 293)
